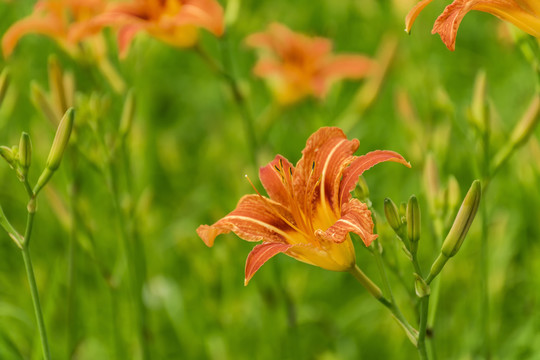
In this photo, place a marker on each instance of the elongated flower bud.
(413, 223)
(463, 221)
(8, 155)
(56, 84)
(61, 140)
(392, 214)
(25, 152)
(454, 193)
(431, 182)
(58, 147)
(526, 125)
(42, 103)
(127, 114)
(479, 110)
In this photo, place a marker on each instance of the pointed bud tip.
(25, 152)
(392, 214)
(463, 220)
(61, 140)
(413, 222)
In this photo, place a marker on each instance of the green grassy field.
(120, 270)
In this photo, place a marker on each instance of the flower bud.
(8, 155)
(479, 110)
(526, 125)
(463, 221)
(454, 193)
(61, 140)
(431, 182)
(413, 223)
(127, 114)
(42, 103)
(392, 214)
(4, 83)
(57, 149)
(56, 84)
(25, 153)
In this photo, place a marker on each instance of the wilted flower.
(297, 65)
(175, 22)
(310, 211)
(53, 18)
(525, 14)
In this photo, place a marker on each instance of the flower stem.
(384, 276)
(484, 266)
(374, 290)
(33, 287)
(421, 345)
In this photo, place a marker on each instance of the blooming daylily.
(525, 14)
(310, 211)
(172, 21)
(53, 18)
(297, 66)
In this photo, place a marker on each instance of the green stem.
(376, 292)
(484, 268)
(135, 283)
(484, 271)
(424, 307)
(382, 271)
(35, 300)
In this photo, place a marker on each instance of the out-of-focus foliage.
(189, 154)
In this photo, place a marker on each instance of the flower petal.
(125, 36)
(356, 218)
(363, 163)
(207, 14)
(448, 22)
(411, 16)
(326, 155)
(260, 254)
(255, 218)
(276, 178)
(50, 26)
(348, 66)
(338, 68)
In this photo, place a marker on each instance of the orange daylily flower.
(53, 18)
(309, 212)
(172, 21)
(525, 14)
(297, 66)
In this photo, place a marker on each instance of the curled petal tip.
(207, 234)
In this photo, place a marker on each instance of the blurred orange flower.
(310, 211)
(525, 14)
(297, 66)
(53, 18)
(172, 21)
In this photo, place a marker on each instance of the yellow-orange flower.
(297, 66)
(310, 211)
(525, 14)
(175, 22)
(53, 18)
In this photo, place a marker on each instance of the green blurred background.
(189, 154)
